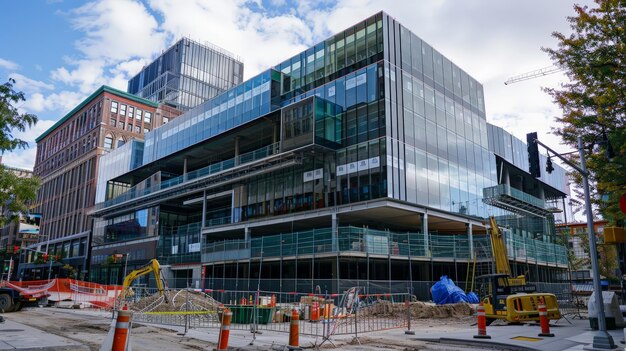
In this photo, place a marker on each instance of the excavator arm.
(152, 267)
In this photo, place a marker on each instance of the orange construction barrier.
(543, 320)
(482, 323)
(294, 329)
(315, 311)
(120, 339)
(222, 341)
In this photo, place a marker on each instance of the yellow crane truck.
(510, 298)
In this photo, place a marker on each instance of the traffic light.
(533, 155)
(6, 268)
(45, 257)
(549, 167)
(16, 249)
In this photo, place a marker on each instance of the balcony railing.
(376, 242)
(248, 157)
(507, 190)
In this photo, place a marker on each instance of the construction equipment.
(12, 300)
(510, 298)
(152, 267)
(534, 74)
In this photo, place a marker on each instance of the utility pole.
(602, 340)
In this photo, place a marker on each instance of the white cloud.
(63, 101)
(9, 65)
(28, 85)
(24, 159)
(87, 76)
(117, 30)
(31, 134)
(261, 39)
(117, 36)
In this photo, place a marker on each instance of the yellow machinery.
(510, 298)
(152, 267)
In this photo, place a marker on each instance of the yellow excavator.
(152, 267)
(510, 298)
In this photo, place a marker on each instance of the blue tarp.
(445, 291)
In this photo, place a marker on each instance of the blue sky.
(59, 51)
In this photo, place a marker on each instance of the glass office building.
(187, 74)
(364, 160)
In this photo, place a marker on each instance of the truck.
(511, 298)
(12, 300)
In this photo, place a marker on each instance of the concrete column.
(247, 234)
(425, 231)
(237, 150)
(185, 169)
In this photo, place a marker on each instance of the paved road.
(55, 329)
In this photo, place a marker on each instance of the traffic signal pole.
(602, 340)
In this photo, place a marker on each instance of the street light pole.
(602, 340)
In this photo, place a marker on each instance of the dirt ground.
(91, 327)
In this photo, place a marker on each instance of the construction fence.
(320, 315)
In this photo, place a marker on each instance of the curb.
(493, 344)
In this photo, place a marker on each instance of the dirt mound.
(181, 300)
(418, 310)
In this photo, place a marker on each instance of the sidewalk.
(569, 337)
(17, 336)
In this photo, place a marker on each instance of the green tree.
(15, 192)
(593, 102)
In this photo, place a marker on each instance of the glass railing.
(248, 157)
(377, 242)
(505, 189)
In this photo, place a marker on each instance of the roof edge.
(99, 91)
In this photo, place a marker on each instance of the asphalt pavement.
(570, 335)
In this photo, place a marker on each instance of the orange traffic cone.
(482, 323)
(294, 329)
(543, 320)
(222, 342)
(120, 339)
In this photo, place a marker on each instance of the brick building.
(67, 163)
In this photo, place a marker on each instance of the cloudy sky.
(59, 51)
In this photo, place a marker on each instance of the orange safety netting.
(76, 291)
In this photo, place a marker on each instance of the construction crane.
(534, 74)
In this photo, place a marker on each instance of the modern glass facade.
(514, 151)
(187, 74)
(230, 109)
(119, 161)
(372, 124)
